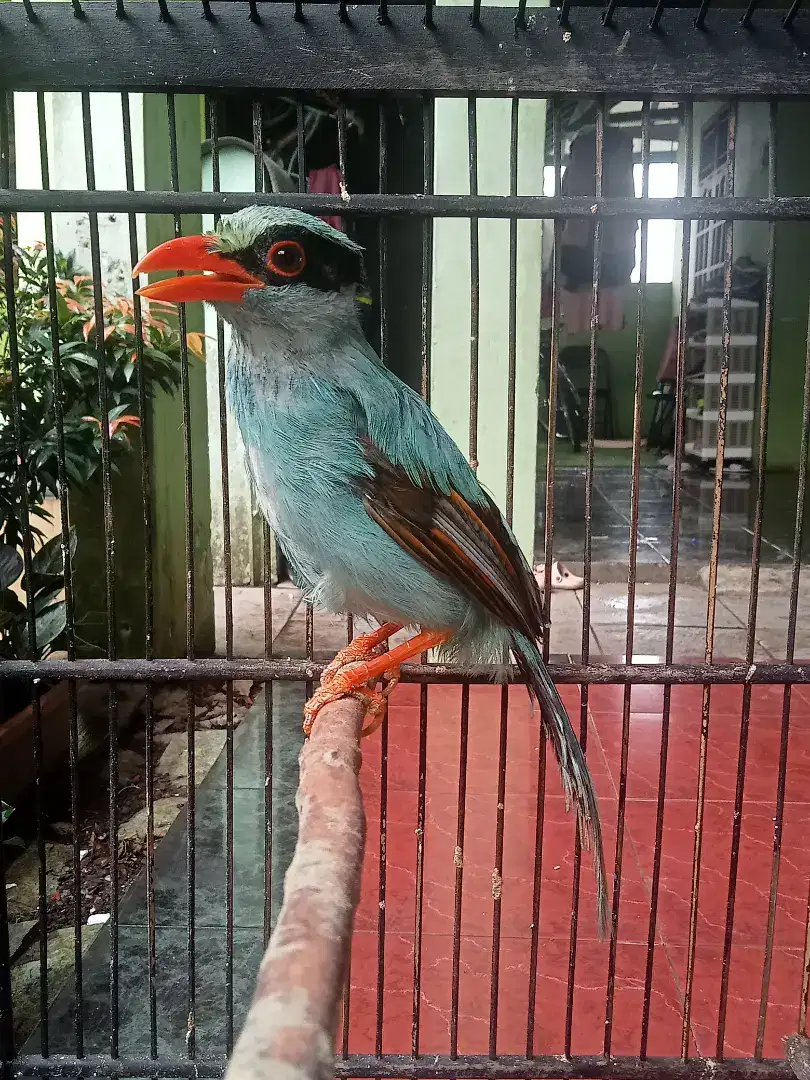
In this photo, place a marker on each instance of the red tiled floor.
(511, 893)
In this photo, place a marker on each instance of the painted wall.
(791, 287)
(450, 339)
(621, 349)
(71, 233)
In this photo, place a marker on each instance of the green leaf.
(48, 560)
(5, 811)
(48, 625)
(11, 565)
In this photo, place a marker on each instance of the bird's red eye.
(286, 258)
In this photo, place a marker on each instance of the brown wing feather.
(468, 544)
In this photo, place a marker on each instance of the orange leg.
(360, 648)
(351, 680)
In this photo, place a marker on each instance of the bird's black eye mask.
(299, 257)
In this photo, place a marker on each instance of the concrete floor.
(610, 518)
(607, 637)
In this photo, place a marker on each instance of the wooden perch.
(289, 1033)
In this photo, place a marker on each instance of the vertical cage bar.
(427, 286)
(458, 858)
(349, 226)
(475, 286)
(553, 369)
(680, 385)
(586, 603)
(257, 117)
(638, 389)
(790, 651)
(109, 541)
(146, 499)
(382, 117)
(756, 555)
(191, 803)
(213, 122)
(804, 997)
(712, 602)
(70, 614)
(500, 814)
(551, 392)
(25, 537)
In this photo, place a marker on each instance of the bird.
(376, 509)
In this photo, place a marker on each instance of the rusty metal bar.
(431, 1067)
(287, 670)
(678, 456)
(756, 556)
(291, 1025)
(790, 647)
(712, 586)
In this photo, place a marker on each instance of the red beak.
(217, 277)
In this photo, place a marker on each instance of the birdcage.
(441, 138)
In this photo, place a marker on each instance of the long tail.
(576, 778)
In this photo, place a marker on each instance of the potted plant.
(147, 354)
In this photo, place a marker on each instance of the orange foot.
(355, 666)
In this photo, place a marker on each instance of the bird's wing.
(463, 541)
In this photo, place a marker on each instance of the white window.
(662, 235)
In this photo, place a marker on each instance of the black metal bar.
(109, 564)
(25, 538)
(475, 282)
(146, 499)
(428, 131)
(404, 1067)
(742, 208)
(382, 885)
(638, 388)
(67, 563)
(599, 137)
(202, 55)
(792, 12)
(213, 122)
(191, 795)
(748, 15)
(655, 21)
(680, 414)
(458, 856)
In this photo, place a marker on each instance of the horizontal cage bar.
(429, 1066)
(793, 208)
(301, 670)
(175, 48)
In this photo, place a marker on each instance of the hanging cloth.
(327, 181)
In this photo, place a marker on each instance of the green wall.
(621, 349)
(791, 277)
(166, 429)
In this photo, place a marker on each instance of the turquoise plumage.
(374, 506)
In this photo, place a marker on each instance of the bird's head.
(261, 262)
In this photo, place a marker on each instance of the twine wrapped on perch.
(289, 1033)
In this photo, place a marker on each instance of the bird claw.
(338, 683)
(340, 679)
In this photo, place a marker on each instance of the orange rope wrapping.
(289, 1033)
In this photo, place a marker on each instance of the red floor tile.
(512, 893)
(509, 1017)
(683, 755)
(754, 873)
(744, 991)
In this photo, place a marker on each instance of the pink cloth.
(575, 310)
(326, 182)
